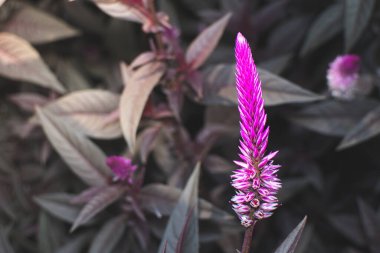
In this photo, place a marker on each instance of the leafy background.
(76, 81)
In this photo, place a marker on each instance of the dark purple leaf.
(290, 243)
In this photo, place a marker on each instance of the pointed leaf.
(91, 112)
(182, 229)
(58, 205)
(134, 97)
(160, 199)
(49, 233)
(109, 235)
(20, 61)
(367, 128)
(82, 156)
(326, 26)
(371, 225)
(331, 117)
(205, 43)
(357, 13)
(349, 227)
(38, 27)
(119, 9)
(2, 2)
(290, 243)
(220, 81)
(98, 203)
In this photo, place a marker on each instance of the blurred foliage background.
(328, 147)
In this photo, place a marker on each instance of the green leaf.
(109, 235)
(290, 243)
(83, 157)
(134, 97)
(331, 118)
(58, 205)
(91, 112)
(99, 202)
(357, 13)
(20, 61)
(220, 81)
(328, 24)
(204, 44)
(367, 128)
(38, 27)
(181, 232)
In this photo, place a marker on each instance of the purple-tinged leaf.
(109, 235)
(368, 127)
(371, 226)
(58, 205)
(220, 82)
(99, 202)
(28, 101)
(290, 243)
(118, 9)
(328, 24)
(86, 195)
(357, 13)
(20, 61)
(160, 199)
(205, 43)
(82, 156)
(330, 117)
(182, 229)
(38, 27)
(91, 112)
(146, 141)
(276, 65)
(134, 97)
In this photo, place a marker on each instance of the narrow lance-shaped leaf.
(38, 27)
(290, 243)
(326, 26)
(49, 233)
(98, 203)
(5, 245)
(91, 112)
(109, 235)
(76, 245)
(82, 156)
(220, 81)
(205, 43)
(58, 205)
(134, 97)
(331, 118)
(367, 128)
(119, 9)
(20, 61)
(356, 16)
(181, 233)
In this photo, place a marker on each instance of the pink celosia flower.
(343, 78)
(121, 167)
(255, 181)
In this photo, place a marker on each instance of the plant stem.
(248, 239)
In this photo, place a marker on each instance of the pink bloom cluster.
(122, 168)
(255, 180)
(343, 77)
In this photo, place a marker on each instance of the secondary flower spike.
(122, 168)
(344, 80)
(255, 180)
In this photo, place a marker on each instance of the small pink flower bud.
(122, 167)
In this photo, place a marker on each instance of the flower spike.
(255, 180)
